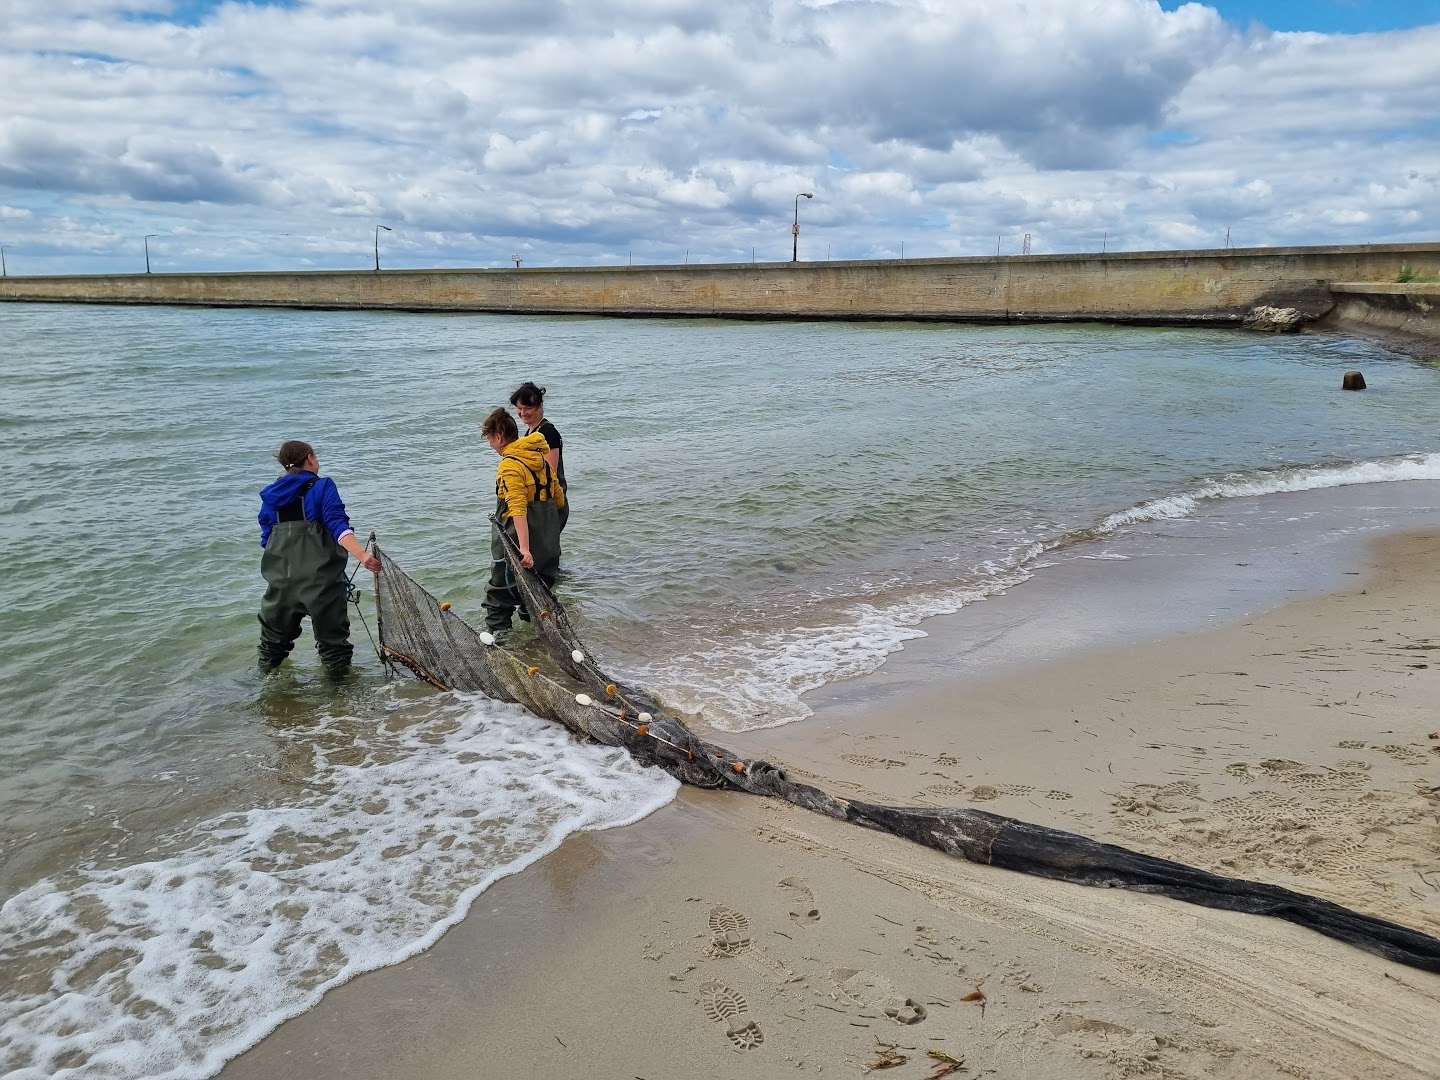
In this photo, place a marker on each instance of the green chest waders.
(304, 569)
(559, 472)
(543, 517)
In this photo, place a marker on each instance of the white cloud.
(582, 129)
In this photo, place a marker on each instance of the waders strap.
(549, 480)
(295, 509)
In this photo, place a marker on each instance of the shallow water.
(760, 509)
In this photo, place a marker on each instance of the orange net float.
(531, 670)
(612, 689)
(737, 766)
(643, 730)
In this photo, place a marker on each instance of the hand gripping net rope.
(420, 633)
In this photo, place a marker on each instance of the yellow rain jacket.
(522, 476)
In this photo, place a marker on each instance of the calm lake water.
(189, 854)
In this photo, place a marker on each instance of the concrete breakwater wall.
(1408, 314)
(1195, 287)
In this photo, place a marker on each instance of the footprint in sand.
(866, 761)
(1058, 796)
(1241, 771)
(983, 793)
(1351, 744)
(1323, 779)
(1179, 789)
(947, 759)
(1014, 789)
(1260, 810)
(1406, 755)
(1279, 767)
(1066, 1023)
(1143, 800)
(801, 895)
(859, 987)
(726, 1006)
(731, 931)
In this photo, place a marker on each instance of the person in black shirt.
(529, 402)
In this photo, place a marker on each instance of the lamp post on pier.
(4, 272)
(377, 243)
(795, 229)
(148, 238)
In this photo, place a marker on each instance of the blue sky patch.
(1325, 16)
(195, 12)
(1425, 129)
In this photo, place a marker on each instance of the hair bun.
(528, 394)
(293, 453)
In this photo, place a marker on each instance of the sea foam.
(1274, 482)
(168, 968)
(756, 677)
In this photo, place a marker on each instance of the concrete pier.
(1406, 314)
(1203, 287)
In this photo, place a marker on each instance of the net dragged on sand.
(436, 645)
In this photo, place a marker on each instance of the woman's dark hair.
(528, 395)
(502, 423)
(292, 454)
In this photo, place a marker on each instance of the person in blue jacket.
(304, 534)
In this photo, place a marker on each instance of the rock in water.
(1277, 320)
(1353, 380)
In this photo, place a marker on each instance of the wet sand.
(731, 936)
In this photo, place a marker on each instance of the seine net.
(423, 635)
(420, 633)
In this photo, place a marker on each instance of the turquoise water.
(759, 509)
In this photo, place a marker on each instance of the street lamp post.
(147, 250)
(4, 272)
(795, 229)
(377, 242)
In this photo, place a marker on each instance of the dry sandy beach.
(727, 936)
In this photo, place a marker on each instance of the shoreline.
(1150, 581)
(671, 947)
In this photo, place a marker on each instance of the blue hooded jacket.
(322, 502)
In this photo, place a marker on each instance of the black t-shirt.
(553, 440)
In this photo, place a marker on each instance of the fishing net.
(422, 634)
(568, 687)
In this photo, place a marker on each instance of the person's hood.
(529, 450)
(285, 490)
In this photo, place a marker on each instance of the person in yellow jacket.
(528, 500)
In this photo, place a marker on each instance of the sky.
(280, 134)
